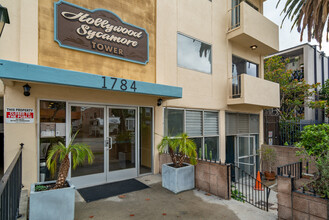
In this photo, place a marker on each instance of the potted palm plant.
(55, 199)
(268, 158)
(178, 176)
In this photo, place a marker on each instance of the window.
(193, 54)
(201, 127)
(241, 66)
(52, 130)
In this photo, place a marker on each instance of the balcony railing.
(249, 90)
(247, 27)
(235, 89)
(235, 17)
(10, 188)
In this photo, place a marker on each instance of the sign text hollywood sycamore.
(99, 31)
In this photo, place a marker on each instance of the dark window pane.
(52, 130)
(198, 142)
(193, 54)
(242, 66)
(174, 122)
(145, 140)
(211, 148)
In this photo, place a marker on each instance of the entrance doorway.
(246, 154)
(112, 136)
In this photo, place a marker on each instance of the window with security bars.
(200, 125)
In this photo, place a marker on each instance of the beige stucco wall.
(254, 29)
(19, 40)
(138, 13)
(27, 133)
(205, 21)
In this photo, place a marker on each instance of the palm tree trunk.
(62, 174)
(173, 157)
(181, 159)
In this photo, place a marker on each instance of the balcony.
(248, 27)
(250, 90)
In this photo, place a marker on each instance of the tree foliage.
(323, 102)
(60, 153)
(182, 145)
(308, 14)
(314, 145)
(294, 94)
(315, 140)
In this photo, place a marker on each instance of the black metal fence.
(248, 189)
(10, 189)
(277, 132)
(291, 170)
(290, 130)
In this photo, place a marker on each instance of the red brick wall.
(213, 178)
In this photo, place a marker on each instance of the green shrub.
(314, 145)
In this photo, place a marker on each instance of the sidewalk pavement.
(159, 203)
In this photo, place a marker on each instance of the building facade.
(310, 64)
(125, 74)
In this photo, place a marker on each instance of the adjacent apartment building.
(310, 64)
(126, 73)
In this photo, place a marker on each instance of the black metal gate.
(248, 189)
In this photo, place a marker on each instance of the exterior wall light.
(27, 89)
(253, 47)
(4, 18)
(159, 102)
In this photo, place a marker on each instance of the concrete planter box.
(178, 179)
(52, 204)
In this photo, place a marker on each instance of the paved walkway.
(159, 203)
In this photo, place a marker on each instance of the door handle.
(107, 143)
(110, 138)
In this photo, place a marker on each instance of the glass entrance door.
(111, 133)
(121, 139)
(89, 121)
(246, 154)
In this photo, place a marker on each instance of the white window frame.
(203, 136)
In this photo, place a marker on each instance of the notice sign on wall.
(19, 115)
(100, 32)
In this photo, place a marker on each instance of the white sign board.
(270, 134)
(19, 115)
(270, 141)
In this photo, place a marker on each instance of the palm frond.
(78, 152)
(308, 14)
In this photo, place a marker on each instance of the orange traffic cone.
(258, 185)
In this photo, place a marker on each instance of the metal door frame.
(117, 175)
(91, 179)
(254, 154)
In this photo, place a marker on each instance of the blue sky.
(288, 38)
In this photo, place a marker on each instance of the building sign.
(100, 32)
(19, 115)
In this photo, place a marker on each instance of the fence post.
(300, 169)
(307, 167)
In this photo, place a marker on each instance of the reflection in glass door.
(122, 154)
(246, 154)
(89, 121)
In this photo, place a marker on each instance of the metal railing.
(10, 189)
(235, 88)
(291, 170)
(234, 15)
(248, 189)
(290, 130)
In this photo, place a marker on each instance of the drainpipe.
(315, 81)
